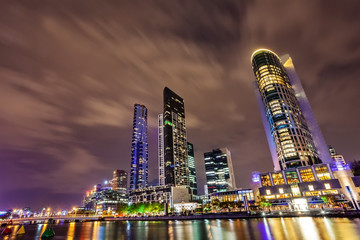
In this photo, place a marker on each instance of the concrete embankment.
(337, 214)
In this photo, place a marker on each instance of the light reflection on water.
(261, 228)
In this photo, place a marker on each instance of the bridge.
(55, 218)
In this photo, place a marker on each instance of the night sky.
(71, 71)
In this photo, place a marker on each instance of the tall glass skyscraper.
(175, 144)
(119, 181)
(139, 149)
(161, 150)
(293, 135)
(219, 171)
(192, 171)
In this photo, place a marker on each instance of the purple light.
(339, 166)
(255, 177)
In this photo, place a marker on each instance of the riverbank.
(210, 216)
(242, 215)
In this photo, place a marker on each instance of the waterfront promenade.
(242, 215)
(230, 215)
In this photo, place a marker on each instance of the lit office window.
(307, 175)
(322, 173)
(295, 190)
(278, 178)
(265, 180)
(292, 177)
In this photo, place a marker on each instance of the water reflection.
(261, 228)
(70, 234)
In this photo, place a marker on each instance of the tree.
(122, 209)
(215, 204)
(131, 209)
(238, 205)
(355, 167)
(265, 203)
(207, 208)
(330, 200)
(157, 208)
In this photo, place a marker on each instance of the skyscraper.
(219, 171)
(192, 172)
(293, 135)
(139, 149)
(175, 144)
(119, 181)
(337, 158)
(161, 150)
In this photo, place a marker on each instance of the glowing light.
(255, 177)
(263, 50)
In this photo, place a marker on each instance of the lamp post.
(75, 209)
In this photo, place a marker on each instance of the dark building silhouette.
(219, 171)
(175, 144)
(192, 171)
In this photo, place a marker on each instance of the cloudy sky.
(70, 72)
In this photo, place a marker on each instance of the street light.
(75, 209)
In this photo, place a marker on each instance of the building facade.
(103, 198)
(175, 144)
(337, 158)
(240, 195)
(219, 171)
(192, 171)
(167, 194)
(306, 187)
(293, 135)
(161, 150)
(139, 149)
(305, 175)
(119, 181)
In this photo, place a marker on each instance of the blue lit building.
(139, 149)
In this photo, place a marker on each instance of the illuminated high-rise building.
(119, 181)
(161, 150)
(175, 144)
(139, 149)
(192, 171)
(219, 171)
(293, 135)
(337, 158)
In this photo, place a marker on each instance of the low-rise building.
(104, 198)
(161, 194)
(239, 195)
(174, 197)
(291, 188)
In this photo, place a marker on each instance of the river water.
(261, 228)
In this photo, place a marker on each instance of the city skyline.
(69, 79)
